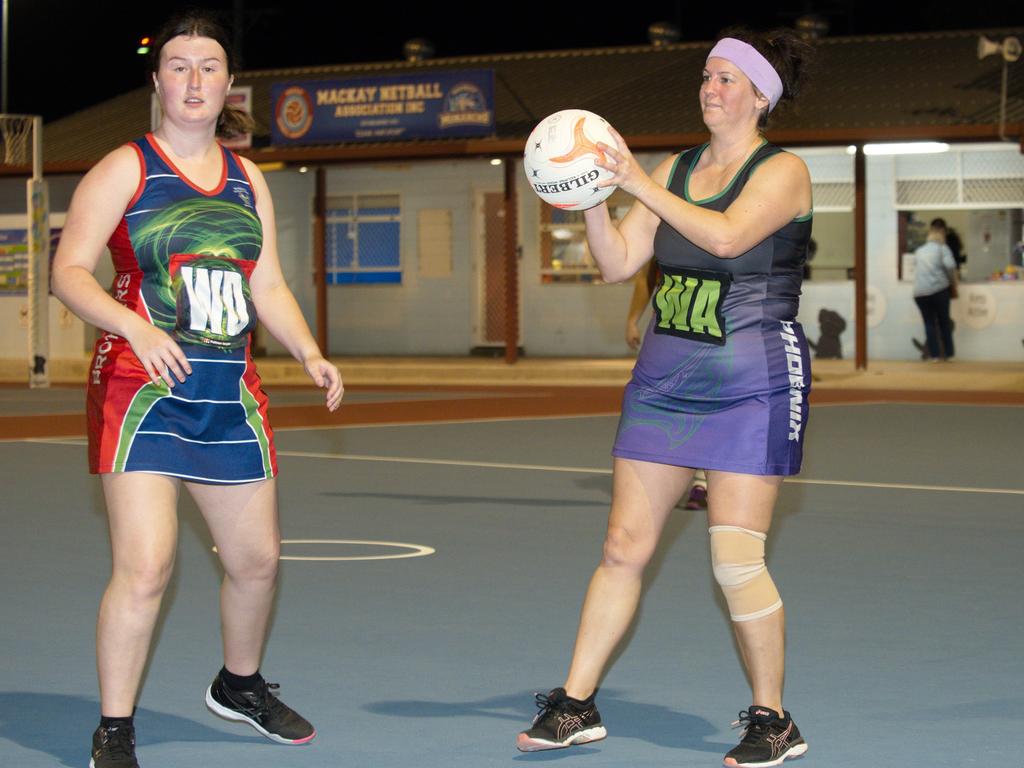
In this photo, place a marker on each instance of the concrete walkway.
(958, 376)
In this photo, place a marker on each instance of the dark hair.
(938, 224)
(199, 23)
(788, 53)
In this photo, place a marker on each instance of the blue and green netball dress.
(723, 375)
(183, 257)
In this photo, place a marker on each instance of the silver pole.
(37, 148)
(1002, 103)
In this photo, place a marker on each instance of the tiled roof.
(862, 87)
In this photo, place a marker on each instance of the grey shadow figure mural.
(829, 346)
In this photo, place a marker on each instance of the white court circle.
(414, 550)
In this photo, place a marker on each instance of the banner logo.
(465, 104)
(293, 112)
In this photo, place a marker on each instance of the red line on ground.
(503, 402)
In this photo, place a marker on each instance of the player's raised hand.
(628, 174)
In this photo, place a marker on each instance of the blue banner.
(396, 108)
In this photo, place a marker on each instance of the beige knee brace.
(737, 557)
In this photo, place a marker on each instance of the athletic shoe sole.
(230, 714)
(795, 751)
(92, 764)
(526, 744)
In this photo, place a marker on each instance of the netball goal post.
(22, 137)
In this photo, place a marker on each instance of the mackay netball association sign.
(402, 107)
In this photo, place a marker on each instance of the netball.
(560, 159)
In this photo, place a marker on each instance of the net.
(16, 132)
(22, 136)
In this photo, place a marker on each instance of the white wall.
(423, 315)
(436, 315)
(293, 208)
(566, 319)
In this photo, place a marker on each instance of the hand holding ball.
(559, 159)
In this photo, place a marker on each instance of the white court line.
(596, 414)
(47, 440)
(422, 423)
(496, 419)
(442, 462)
(608, 471)
(579, 470)
(943, 404)
(909, 486)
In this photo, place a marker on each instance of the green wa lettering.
(674, 302)
(704, 317)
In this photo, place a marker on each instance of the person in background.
(934, 285)
(955, 244)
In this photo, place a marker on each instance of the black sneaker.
(767, 740)
(114, 747)
(561, 722)
(261, 709)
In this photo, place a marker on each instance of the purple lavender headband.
(753, 65)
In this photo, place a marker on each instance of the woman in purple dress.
(720, 384)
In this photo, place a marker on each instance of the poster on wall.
(401, 107)
(14, 258)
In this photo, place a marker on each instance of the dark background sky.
(68, 54)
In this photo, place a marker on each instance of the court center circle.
(414, 550)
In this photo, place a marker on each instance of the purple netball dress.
(722, 379)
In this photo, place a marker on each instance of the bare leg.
(747, 501)
(642, 497)
(243, 522)
(142, 511)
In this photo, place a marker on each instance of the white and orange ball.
(560, 159)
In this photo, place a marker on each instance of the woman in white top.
(934, 286)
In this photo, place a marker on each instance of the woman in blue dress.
(174, 397)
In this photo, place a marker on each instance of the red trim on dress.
(142, 176)
(170, 164)
(251, 381)
(114, 362)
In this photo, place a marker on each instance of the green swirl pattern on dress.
(697, 380)
(208, 226)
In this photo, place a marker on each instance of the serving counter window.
(988, 244)
(978, 190)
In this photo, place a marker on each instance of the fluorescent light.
(496, 161)
(561, 233)
(906, 148)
